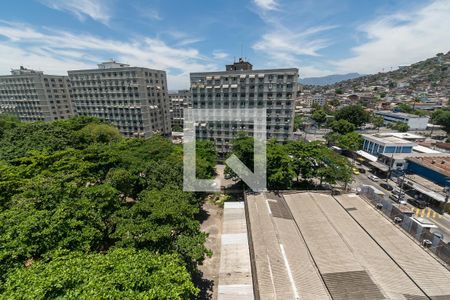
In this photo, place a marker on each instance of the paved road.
(441, 221)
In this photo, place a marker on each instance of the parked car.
(355, 171)
(362, 170)
(396, 191)
(397, 199)
(373, 178)
(418, 203)
(440, 235)
(386, 186)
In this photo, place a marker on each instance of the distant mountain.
(430, 75)
(330, 79)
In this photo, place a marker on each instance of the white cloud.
(55, 51)
(150, 13)
(97, 10)
(267, 4)
(401, 38)
(218, 54)
(284, 46)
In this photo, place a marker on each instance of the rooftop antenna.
(242, 56)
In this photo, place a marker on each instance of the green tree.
(404, 107)
(342, 126)
(100, 133)
(377, 121)
(161, 220)
(354, 114)
(339, 91)
(351, 141)
(280, 173)
(333, 168)
(118, 274)
(8, 122)
(402, 127)
(319, 116)
(297, 122)
(242, 147)
(206, 158)
(442, 117)
(63, 187)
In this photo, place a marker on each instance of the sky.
(320, 37)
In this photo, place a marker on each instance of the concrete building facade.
(413, 121)
(242, 87)
(178, 102)
(34, 96)
(377, 145)
(134, 99)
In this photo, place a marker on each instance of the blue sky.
(320, 37)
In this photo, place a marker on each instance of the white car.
(373, 178)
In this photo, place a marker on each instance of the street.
(441, 221)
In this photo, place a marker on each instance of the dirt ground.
(210, 267)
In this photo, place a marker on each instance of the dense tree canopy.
(402, 127)
(319, 116)
(442, 117)
(354, 114)
(107, 202)
(118, 274)
(342, 126)
(295, 159)
(377, 121)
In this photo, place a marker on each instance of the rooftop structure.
(436, 168)
(375, 144)
(403, 135)
(413, 121)
(316, 246)
(235, 275)
(34, 96)
(134, 99)
(241, 65)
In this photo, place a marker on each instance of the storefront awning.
(367, 155)
(425, 191)
(379, 166)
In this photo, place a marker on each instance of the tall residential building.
(242, 87)
(34, 96)
(132, 98)
(178, 102)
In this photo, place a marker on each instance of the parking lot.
(316, 246)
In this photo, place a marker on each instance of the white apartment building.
(413, 121)
(178, 102)
(242, 87)
(134, 99)
(316, 99)
(34, 96)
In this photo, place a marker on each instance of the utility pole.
(447, 194)
(400, 197)
(391, 162)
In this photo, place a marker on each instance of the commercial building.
(134, 99)
(413, 121)
(178, 102)
(241, 87)
(34, 96)
(434, 168)
(377, 145)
